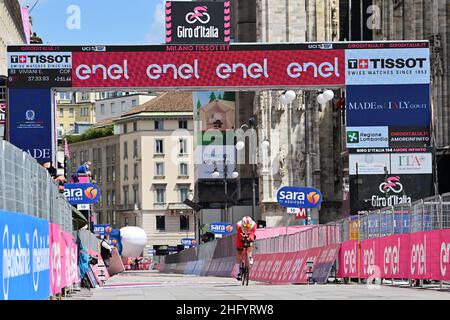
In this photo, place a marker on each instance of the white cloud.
(157, 34)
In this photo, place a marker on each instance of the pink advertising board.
(348, 260)
(422, 255)
(55, 260)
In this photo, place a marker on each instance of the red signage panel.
(246, 68)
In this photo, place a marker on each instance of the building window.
(159, 146)
(184, 191)
(183, 146)
(72, 127)
(133, 102)
(159, 125)
(108, 174)
(113, 197)
(113, 153)
(84, 96)
(136, 194)
(182, 124)
(71, 112)
(108, 198)
(61, 112)
(183, 169)
(125, 195)
(135, 175)
(65, 96)
(122, 106)
(99, 176)
(113, 174)
(113, 107)
(99, 155)
(160, 195)
(102, 108)
(125, 150)
(159, 169)
(125, 172)
(125, 128)
(135, 126)
(135, 149)
(184, 223)
(160, 223)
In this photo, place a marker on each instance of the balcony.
(128, 207)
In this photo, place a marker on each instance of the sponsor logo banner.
(371, 192)
(390, 163)
(390, 150)
(299, 197)
(369, 163)
(40, 60)
(388, 105)
(81, 193)
(411, 163)
(198, 22)
(102, 229)
(222, 228)
(422, 255)
(367, 137)
(30, 122)
(2, 113)
(395, 66)
(25, 257)
(208, 69)
(409, 137)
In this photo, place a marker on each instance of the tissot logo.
(399, 63)
(41, 59)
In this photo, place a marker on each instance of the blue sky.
(101, 21)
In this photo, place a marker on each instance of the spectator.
(51, 169)
(84, 170)
(106, 250)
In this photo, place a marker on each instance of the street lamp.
(240, 145)
(322, 99)
(216, 175)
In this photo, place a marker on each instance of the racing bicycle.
(245, 263)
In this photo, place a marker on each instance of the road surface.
(152, 285)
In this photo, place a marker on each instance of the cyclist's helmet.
(247, 223)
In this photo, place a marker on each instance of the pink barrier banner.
(422, 255)
(55, 260)
(286, 267)
(70, 254)
(444, 255)
(392, 256)
(348, 260)
(367, 258)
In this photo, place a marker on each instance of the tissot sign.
(198, 22)
(196, 66)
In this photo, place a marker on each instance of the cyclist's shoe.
(250, 260)
(239, 278)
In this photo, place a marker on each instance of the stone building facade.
(285, 162)
(425, 20)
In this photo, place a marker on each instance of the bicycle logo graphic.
(199, 15)
(393, 184)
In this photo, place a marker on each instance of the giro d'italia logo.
(200, 14)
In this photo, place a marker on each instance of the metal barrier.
(26, 187)
(424, 215)
(89, 240)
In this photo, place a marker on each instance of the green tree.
(229, 96)
(212, 97)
